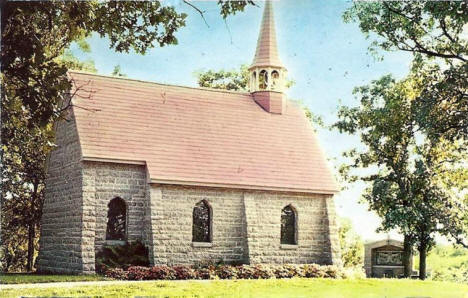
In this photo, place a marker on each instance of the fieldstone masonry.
(245, 223)
(62, 243)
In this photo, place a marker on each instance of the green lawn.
(21, 278)
(259, 288)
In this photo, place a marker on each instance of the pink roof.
(267, 48)
(198, 136)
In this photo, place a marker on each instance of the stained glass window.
(201, 230)
(288, 226)
(116, 220)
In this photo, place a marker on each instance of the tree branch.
(202, 13)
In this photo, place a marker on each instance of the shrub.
(226, 272)
(281, 272)
(162, 272)
(332, 272)
(184, 272)
(116, 273)
(138, 273)
(263, 272)
(313, 271)
(122, 256)
(245, 272)
(205, 273)
(232, 272)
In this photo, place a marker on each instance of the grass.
(19, 278)
(444, 257)
(259, 288)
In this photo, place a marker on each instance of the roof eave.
(243, 186)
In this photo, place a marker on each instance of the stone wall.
(106, 181)
(170, 216)
(74, 221)
(314, 242)
(246, 227)
(61, 242)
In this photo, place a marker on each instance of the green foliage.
(430, 28)
(230, 272)
(404, 169)
(117, 72)
(448, 263)
(237, 80)
(73, 63)
(435, 33)
(352, 247)
(122, 256)
(419, 185)
(229, 7)
(23, 176)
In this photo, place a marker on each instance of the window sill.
(289, 246)
(202, 244)
(115, 242)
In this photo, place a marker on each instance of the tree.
(403, 168)
(23, 175)
(237, 80)
(435, 33)
(35, 39)
(117, 72)
(352, 247)
(34, 34)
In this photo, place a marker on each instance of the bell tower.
(267, 73)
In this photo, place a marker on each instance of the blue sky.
(324, 56)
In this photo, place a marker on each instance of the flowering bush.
(333, 272)
(264, 272)
(226, 272)
(205, 273)
(245, 272)
(184, 272)
(313, 271)
(162, 272)
(116, 273)
(138, 273)
(231, 272)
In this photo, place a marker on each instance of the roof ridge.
(161, 84)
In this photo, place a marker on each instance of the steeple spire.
(267, 49)
(267, 73)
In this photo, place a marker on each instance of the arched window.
(253, 82)
(116, 219)
(263, 79)
(288, 226)
(201, 230)
(275, 80)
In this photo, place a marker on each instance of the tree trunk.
(407, 254)
(422, 261)
(31, 236)
(32, 227)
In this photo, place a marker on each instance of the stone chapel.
(196, 174)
